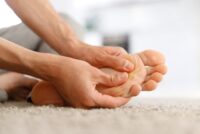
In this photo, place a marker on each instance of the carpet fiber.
(141, 116)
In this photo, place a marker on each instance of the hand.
(104, 56)
(76, 80)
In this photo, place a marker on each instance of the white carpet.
(141, 116)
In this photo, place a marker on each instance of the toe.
(162, 68)
(152, 58)
(157, 77)
(134, 91)
(149, 85)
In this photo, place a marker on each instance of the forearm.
(16, 58)
(40, 16)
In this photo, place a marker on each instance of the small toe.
(149, 85)
(134, 91)
(162, 68)
(157, 77)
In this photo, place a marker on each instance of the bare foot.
(44, 93)
(149, 70)
(16, 85)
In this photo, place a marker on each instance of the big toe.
(152, 57)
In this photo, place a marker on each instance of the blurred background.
(170, 26)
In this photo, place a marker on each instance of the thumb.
(107, 101)
(110, 78)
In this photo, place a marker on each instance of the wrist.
(63, 40)
(39, 64)
(69, 46)
(74, 48)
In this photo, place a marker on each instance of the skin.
(44, 92)
(40, 16)
(59, 70)
(16, 85)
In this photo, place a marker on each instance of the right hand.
(76, 80)
(102, 56)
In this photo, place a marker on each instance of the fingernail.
(128, 65)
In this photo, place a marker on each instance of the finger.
(107, 101)
(157, 77)
(117, 51)
(111, 80)
(149, 85)
(117, 63)
(160, 68)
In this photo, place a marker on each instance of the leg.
(142, 76)
(17, 86)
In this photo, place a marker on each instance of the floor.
(141, 116)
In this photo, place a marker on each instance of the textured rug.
(141, 116)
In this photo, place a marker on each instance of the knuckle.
(100, 58)
(120, 63)
(121, 50)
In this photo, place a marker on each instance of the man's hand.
(76, 81)
(112, 57)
